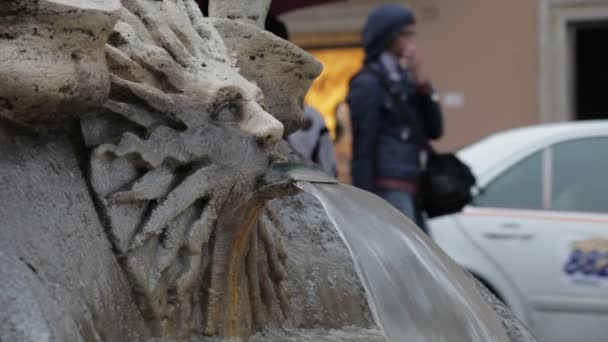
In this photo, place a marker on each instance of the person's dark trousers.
(405, 202)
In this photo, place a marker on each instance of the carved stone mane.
(167, 166)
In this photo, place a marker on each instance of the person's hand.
(412, 59)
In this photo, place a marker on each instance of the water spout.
(281, 179)
(301, 172)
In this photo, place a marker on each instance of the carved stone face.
(52, 62)
(281, 70)
(181, 148)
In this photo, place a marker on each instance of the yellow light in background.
(331, 87)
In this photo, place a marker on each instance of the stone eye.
(226, 112)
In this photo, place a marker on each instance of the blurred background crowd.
(496, 64)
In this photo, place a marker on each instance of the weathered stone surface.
(321, 273)
(60, 278)
(52, 61)
(250, 12)
(350, 334)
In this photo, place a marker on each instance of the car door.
(543, 222)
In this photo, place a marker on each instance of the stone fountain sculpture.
(136, 140)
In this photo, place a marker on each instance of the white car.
(537, 230)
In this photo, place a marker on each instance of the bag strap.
(315, 150)
(397, 92)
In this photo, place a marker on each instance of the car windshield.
(484, 151)
(491, 150)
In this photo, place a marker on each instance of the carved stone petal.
(282, 70)
(52, 61)
(247, 11)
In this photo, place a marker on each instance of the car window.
(520, 186)
(580, 175)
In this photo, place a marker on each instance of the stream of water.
(416, 292)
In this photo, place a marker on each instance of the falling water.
(416, 292)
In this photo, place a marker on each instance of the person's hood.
(382, 26)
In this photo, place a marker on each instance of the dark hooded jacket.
(384, 145)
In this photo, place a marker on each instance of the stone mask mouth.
(280, 179)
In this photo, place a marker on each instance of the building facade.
(496, 64)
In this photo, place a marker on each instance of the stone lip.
(281, 179)
(98, 5)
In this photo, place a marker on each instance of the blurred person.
(343, 143)
(394, 112)
(312, 141)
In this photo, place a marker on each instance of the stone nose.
(262, 125)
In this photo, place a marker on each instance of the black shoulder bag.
(446, 182)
